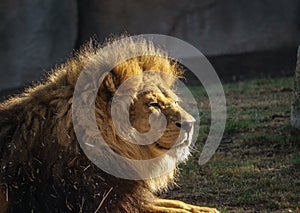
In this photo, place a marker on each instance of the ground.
(257, 165)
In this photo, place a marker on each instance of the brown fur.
(43, 168)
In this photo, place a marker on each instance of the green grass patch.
(257, 165)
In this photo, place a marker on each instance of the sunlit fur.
(43, 168)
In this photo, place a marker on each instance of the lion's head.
(137, 111)
(152, 99)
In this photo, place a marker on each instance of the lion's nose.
(186, 125)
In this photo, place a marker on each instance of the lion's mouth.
(182, 144)
(186, 141)
(183, 141)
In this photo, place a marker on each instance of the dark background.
(242, 39)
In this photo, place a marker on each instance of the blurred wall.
(216, 27)
(35, 36)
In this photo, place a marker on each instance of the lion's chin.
(181, 152)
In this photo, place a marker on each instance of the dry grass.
(257, 165)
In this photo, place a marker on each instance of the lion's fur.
(42, 165)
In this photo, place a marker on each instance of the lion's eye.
(154, 104)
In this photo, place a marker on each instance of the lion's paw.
(175, 206)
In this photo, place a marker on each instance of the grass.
(257, 165)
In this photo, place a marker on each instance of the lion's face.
(152, 98)
(158, 100)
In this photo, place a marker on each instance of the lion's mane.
(42, 166)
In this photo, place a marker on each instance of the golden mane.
(42, 165)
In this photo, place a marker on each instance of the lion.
(43, 166)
